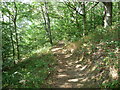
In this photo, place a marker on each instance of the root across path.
(75, 70)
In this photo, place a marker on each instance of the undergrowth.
(32, 72)
(113, 84)
(103, 45)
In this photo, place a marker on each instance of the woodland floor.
(66, 67)
(75, 70)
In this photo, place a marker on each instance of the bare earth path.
(75, 71)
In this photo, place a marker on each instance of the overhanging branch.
(93, 6)
(72, 7)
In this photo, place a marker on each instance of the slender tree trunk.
(108, 14)
(12, 41)
(1, 53)
(94, 18)
(84, 18)
(48, 24)
(118, 11)
(77, 22)
(91, 19)
(15, 27)
(45, 25)
(1, 38)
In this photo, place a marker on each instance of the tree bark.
(77, 22)
(94, 18)
(1, 56)
(84, 18)
(47, 23)
(15, 28)
(48, 19)
(108, 14)
(118, 11)
(2, 48)
(12, 41)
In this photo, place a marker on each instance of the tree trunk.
(48, 24)
(77, 22)
(12, 41)
(94, 18)
(1, 53)
(1, 39)
(91, 19)
(84, 18)
(118, 11)
(108, 14)
(15, 27)
(45, 25)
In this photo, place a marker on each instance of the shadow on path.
(76, 71)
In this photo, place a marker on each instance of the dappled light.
(83, 67)
(77, 66)
(68, 55)
(61, 76)
(66, 85)
(113, 73)
(73, 80)
(56, 49)
(68, 44)
(77, 70)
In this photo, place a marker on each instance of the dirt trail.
(75, 71)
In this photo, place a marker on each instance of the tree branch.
(93, 6)
(72, 7)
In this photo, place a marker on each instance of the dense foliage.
(29, 30)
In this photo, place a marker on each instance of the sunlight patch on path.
(83, 67)
(68, 55)
(61, 70)
(56, 49)
(63, 75)
(75, 70)
(79, 85)
(77, 66)
(73, 80)
(113, 73)
(66, 85)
